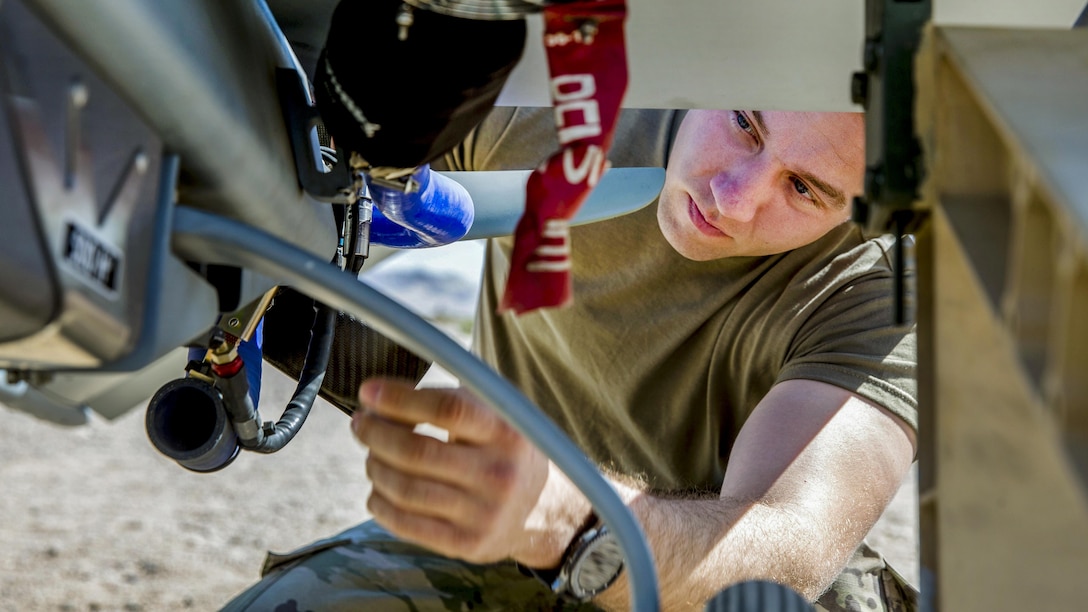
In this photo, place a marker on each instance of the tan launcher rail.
(1003, 319)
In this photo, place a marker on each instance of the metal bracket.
(242, 323)
(335, 186)
(886, 90)
(893, 155)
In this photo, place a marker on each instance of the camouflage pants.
(868, 583)
(366, 568)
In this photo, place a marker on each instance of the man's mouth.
(700, 222)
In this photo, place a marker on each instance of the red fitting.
(226, 370)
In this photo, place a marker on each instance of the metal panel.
(90, 170)
(28, 287)
(202, 74)
(771, 54)
(97, 228)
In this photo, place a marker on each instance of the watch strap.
(551, 576)
(596, 547)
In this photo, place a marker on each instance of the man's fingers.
(399, 447)
(456, 411)
(436, 534)
(425, 496)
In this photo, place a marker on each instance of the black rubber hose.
(309, 382)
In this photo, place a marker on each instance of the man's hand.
(473, 497)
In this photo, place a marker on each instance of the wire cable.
(309, 383)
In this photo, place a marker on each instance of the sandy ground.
(94, 518)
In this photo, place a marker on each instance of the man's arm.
(810, 473)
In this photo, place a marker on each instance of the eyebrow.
(758, 116)
(838, 200)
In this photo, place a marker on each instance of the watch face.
(598, 565)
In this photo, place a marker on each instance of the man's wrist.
(565, 515)
(548, 571)
(591, 564)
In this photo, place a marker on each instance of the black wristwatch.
(592, 562)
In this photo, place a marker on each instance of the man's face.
(745, 183)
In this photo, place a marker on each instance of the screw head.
(78, 94)
(859, 88)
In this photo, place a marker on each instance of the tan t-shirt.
(660, 359)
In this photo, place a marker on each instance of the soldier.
(730, 362)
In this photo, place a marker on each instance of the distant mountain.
(436, 283)
(432, 294)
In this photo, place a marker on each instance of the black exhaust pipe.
(187, 422)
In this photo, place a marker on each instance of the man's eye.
(743, 123)
(803, 189)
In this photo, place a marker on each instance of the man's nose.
(742, 189)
